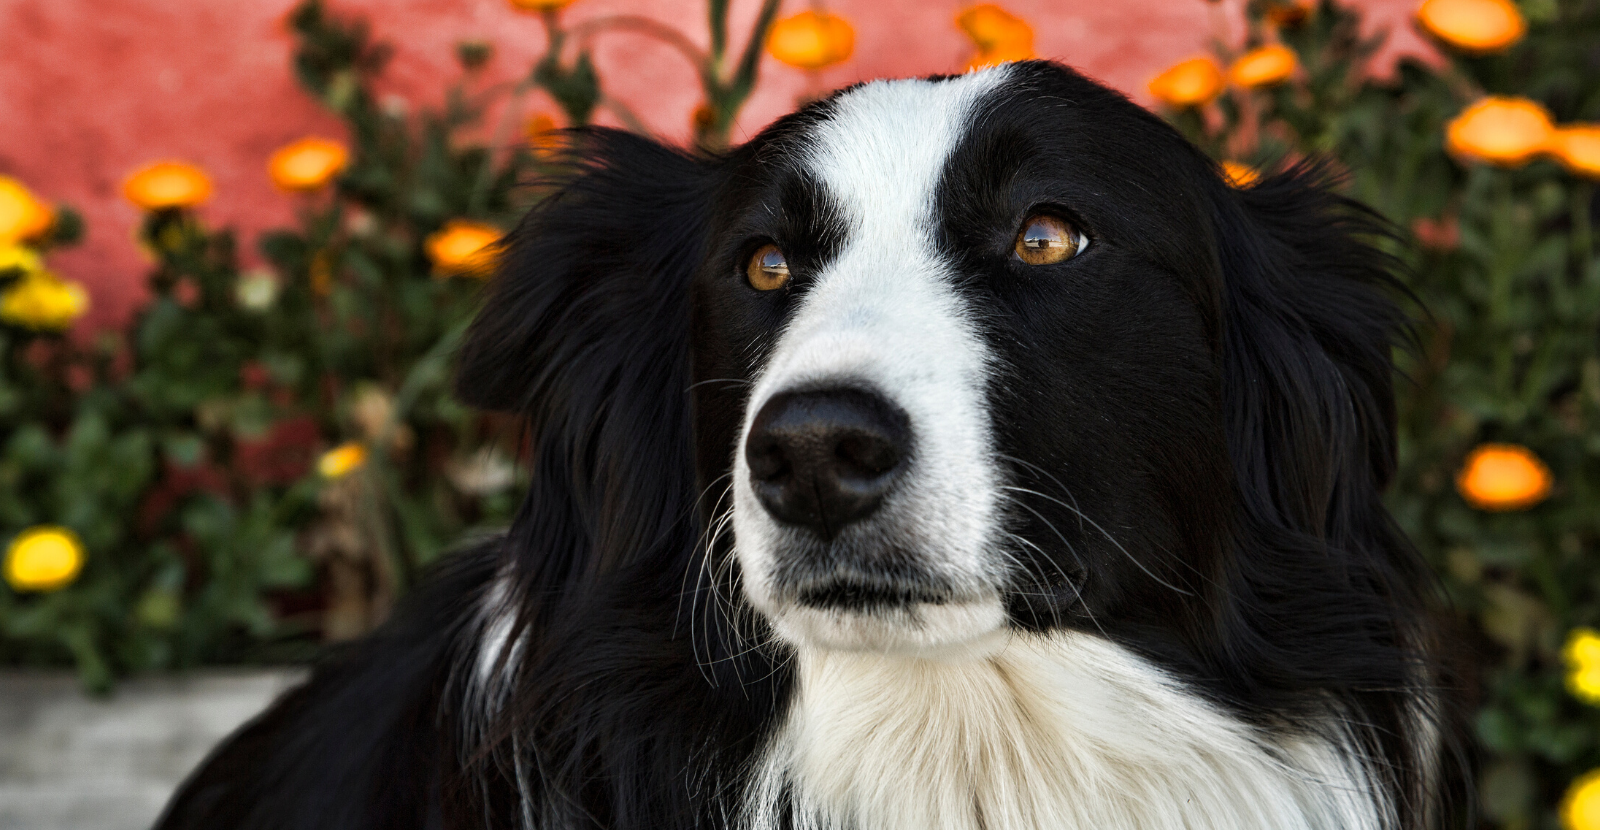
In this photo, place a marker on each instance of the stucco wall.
(90, 89)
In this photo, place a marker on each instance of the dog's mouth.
(865, 597)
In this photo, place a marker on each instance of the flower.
(1503, 477)
(1501, 130)
(1582, 656)
(811, 40)
(540, 128)
(539, 5)
(256, 290)
(1580, 807)
(463, 247)
(342, 460)
(1189, 83)
(1240, 174)
(22, 215)
(1473, 25)
(307, 164)
(43, 301)
(43, 558)
(18, 258)
(1578, 147)
(1290, 14)
(167, 184)
(1264, 66)
(999, 35)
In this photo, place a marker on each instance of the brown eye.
(1046, 240)
(768, 270)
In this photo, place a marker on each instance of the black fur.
(1210, 385)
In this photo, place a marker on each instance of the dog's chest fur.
(1060, 731)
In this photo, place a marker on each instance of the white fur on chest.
(1065, 731)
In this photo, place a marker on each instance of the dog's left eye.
(768, 269)
(1046, 240)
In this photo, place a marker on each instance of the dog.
(960, 453)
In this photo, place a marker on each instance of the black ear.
(585, 331)
(1311, 320)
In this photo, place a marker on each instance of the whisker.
(1096, 525)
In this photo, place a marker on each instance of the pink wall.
(90, 89)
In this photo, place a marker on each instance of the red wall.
(90, 89)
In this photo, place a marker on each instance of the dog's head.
(933, 359)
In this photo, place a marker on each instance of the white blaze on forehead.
(884, 314)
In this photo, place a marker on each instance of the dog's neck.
(1057, 731)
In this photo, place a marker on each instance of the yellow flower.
(1501, 130)
(1239, 174)
(1580, 807)
(1264, 66)
(1190, 83)
(16, 257)
(342, 460)
(538, 5)
(1503, 477)
(1473, 25)
(811, 40)
(1578, 147)
(43, 301)
(307, 164)
(999, 35)
(167, 184)
(43, 558)
(463, 247)
(1582, 656)
(22, 215)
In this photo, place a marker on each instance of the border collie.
(958, 454)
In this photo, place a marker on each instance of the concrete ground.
(73, 762)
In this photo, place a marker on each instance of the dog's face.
(934, 359)
(955, 348)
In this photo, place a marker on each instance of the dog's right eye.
(767, 270)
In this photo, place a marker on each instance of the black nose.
(825, 458)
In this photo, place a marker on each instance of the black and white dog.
(958, 454)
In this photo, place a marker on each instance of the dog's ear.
(585, 331)
(1310, 323)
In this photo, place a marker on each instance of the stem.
(587, 30)
(480, 189)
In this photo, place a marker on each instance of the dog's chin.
(923, 629)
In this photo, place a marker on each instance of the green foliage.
(1508, 273)
(183, 453)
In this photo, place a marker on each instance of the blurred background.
(239, 243)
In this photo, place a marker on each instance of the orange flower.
(167, 184)
(1578, 147)
(307, 164)
(22, 215)
(999, 35)
(1473, 25)
(1503, 477)
(540, 129)
(1291, 13)
(1264, 66)
(811, 40)
(539, 5)
(1500, 130)
(1239, 174)
(463, 247)
(1190, 83)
